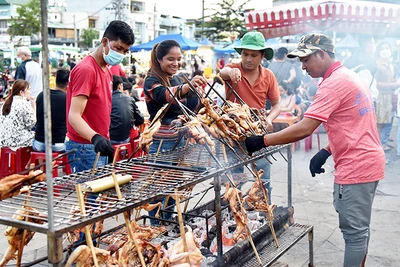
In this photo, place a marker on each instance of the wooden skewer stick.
(95, 163)
(248, 232)
(22, 243)
(131, 234)
(88, 234)
(181, 227)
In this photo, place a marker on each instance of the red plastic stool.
(125, 150)
(13, 161)
(62, 162)
(308, 140)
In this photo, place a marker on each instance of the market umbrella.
(227, 49)
(206, 42)
(185, 43)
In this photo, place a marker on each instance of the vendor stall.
(340, 16)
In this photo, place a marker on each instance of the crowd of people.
(93, 108)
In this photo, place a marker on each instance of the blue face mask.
(113, 58)
(19, 60)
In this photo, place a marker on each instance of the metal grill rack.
(152, 177)
(148, 183)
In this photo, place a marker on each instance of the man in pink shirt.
(344, 105)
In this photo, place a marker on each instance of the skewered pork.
(11, 185)
(14, 235)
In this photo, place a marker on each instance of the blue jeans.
(84, 157)
(119, 142)
(165, 146)
(41, 147)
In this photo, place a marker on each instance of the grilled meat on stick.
(177, 255)
(234, 196)
(14, 235)
(257, 199)
(128, 256)
(11, 185)
(146, 138)
(82, 257)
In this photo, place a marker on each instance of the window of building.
(136, 6)
(92, 23)
(3, 23)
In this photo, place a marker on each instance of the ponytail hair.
(17, 87)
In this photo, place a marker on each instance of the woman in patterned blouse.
(17, 117)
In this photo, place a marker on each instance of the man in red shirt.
(344, 105)
(254, 84)
(89, 98)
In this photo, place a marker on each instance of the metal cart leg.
(218, 215)
(289, 162)
(54, 249)
(311, 247)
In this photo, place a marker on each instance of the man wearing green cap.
(254, 84)
(344, 105)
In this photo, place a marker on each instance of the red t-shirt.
(265, 87)
(117, 70)
(89, 79)
(344, 105)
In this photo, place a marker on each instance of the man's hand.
(102, 145)
(254, 143)
(235, 75)
(318, 161)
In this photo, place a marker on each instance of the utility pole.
(75, 35)
(202, 22)
(119, 7)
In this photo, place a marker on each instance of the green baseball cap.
(255, 41)
(311, 43)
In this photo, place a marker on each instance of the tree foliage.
(28, 21)
(227, 20)
(87, 37)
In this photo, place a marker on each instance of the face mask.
(113, 58)
(385, 53)
(19, 60)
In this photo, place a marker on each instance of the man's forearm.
(81, 127)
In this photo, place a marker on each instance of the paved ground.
(312, 201)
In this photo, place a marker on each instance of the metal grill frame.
(199, 174)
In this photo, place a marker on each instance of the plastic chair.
(308, 140)
(61, 163)
(124, 151)
(13, 161)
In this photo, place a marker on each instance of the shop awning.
(341, 16)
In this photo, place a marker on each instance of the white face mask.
(385, 53)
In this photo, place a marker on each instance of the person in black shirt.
(58, 115)
(122, 113)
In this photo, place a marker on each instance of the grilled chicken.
(191, 258)
(11, 185)
(14, 235)
(82, 257)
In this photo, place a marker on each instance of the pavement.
(312, 201)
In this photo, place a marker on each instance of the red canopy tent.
(340, 16)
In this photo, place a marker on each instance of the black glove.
(317, 161)
(102, 145)
(254, 143)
